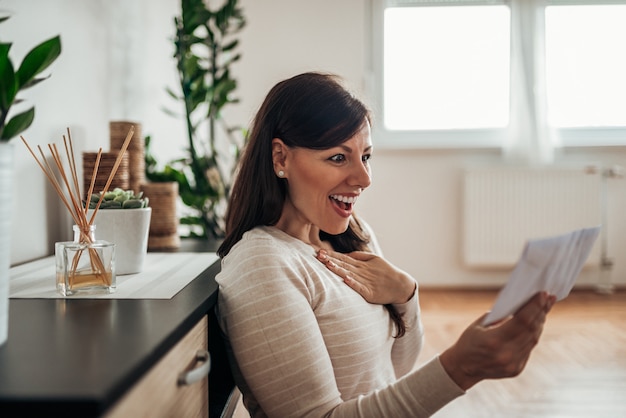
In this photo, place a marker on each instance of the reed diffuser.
(84, 265)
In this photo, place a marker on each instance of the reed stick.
(69, 152)
(93, 181)
(118, 160)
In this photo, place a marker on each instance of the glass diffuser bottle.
(85, 265)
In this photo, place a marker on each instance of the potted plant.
(12, 82)
(204, 52)
(123, 219)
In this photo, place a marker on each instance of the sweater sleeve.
(419, 394)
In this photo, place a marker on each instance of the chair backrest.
(231, 404)
(223, 393)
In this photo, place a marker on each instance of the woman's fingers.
(340, 267)
(529, 318)
(376, 280)
(498, 350)
(362, 290)
(333, 264)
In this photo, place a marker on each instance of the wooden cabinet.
(158, 393)
(95, 358)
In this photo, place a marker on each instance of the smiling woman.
(317, 321)
(301, 130)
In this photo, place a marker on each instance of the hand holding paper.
(550, 264)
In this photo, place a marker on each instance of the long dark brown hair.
(310, 110)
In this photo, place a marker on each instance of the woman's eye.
(366, 157)
(338, 158)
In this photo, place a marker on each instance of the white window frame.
(462, 138)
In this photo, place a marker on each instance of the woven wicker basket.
(164, 222)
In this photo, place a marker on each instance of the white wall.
(118, 70)
(115, 63)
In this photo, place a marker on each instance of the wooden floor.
(578, 370)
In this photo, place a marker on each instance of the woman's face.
(323, 185)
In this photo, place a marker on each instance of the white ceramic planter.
(128, 229)
(6, 202)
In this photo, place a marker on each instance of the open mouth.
(343, 202)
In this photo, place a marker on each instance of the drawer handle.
(199, 373)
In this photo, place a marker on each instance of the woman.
(318, 322)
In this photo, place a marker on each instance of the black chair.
(231, 403)
(223, 393)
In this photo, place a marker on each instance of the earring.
(281, 173)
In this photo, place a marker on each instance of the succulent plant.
(119, 199)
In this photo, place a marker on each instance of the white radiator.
(504, 207)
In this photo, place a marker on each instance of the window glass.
(586, 65)
(446, 68)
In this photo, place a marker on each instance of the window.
(586, 65)
(451, 73)
(446, 67)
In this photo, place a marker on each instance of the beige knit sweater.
(306, 345)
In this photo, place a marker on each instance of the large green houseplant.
(205, 49)
(13, 81)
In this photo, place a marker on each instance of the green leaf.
(33, 82)
(4, 50)
(38, 59)
(193, 14)
(170, 112)
(190, 220)
(230, 46)
(235, 58)
(172, 94)
(18, 124)
(8, 81)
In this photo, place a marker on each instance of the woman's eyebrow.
(349, 150)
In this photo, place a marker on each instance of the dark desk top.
(77, 357)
